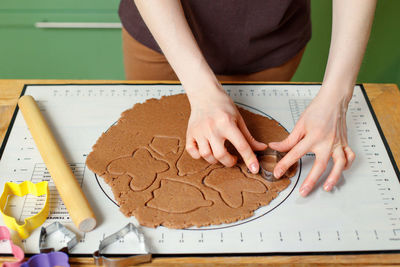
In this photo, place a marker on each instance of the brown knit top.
(236, 36)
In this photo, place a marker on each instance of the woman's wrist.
(337, 93)
(202, 87)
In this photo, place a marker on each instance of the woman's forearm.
(351, 26)
(213, 117)
(167, 23)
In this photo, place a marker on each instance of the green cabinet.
(78, 53)
(27, 51)
(51, 5)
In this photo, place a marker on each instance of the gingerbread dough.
(143, 159)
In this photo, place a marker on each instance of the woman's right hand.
(214, 119)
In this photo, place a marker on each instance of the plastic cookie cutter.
(48, 260)
(100, 260)
(53, 228)
(16, 250)
(23, 189)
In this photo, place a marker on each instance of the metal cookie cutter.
(100, 260)
(267, 160)
(52, 228)
(16, 250)
(23, 189)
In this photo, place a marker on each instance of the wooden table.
(385, 99)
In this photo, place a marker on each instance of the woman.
(205, 41)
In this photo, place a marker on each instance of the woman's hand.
(214, 118)
(321, 129)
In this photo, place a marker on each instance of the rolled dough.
(143, 159)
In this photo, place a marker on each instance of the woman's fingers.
(221, 153)
(211, 151)
(339, 162)
(191, 147)
(205, 150)
(291, 158)
(288, 143)
(317, 170)
(235, 136)
(350, 157)
(255, 145)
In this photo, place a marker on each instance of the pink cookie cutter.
(16, 250)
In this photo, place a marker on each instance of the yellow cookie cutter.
(23, 189)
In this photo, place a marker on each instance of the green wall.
(382, 59)
(30, 53)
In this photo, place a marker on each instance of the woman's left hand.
(322, 130)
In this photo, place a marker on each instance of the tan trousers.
(143, 63)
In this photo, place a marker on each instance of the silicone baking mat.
(361, 214)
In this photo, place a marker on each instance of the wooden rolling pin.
(65, 181)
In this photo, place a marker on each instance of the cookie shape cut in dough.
(164, 145)
(165, 198)
(231, 190)
(142, 158)
(188, 165)
(131, 166)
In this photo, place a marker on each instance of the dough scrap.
(143, 159)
